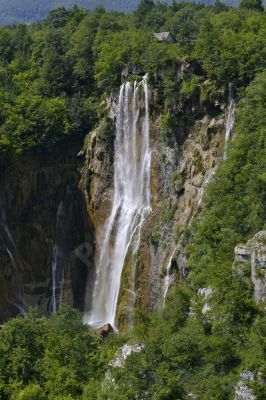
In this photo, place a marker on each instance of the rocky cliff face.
(62, 201)
(250, 260)
(181, 173)
(31, 192)
(182, 166)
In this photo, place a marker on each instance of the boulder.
(105, 331)
(242, 391)
(253, 255)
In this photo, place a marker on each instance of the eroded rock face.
(31, 192)
(251, 258)
(180, 174)
(97, 172)
(181, 169)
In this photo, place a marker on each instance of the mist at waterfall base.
(131, 201)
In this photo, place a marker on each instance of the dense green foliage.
(40, 356)
(53, 75)
(53, 81)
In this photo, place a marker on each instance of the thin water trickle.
(58, 261)
(230, 120)
(11, 249)
(131, 200)
(8, 240)
(168, 277)
(54, 282)
(208, 178)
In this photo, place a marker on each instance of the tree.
(145, 6)
(142, 11)
(57, 18)
(252, 4)
(219, 46)
(31, 392)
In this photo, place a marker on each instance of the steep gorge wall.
(81, 178)
(181, 169)
(31, 192)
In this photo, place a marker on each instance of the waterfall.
(9, 242)
(208, 178)
(57, 279)
(230, 119)
(59, 259)
(228, 133)
(11, 249)
(131, 200)
(168, 277)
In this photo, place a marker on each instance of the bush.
(31, 392)
(168, 126)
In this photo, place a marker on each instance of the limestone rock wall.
(31, 191)
(180, 175)
(250, 259)
(180, 171)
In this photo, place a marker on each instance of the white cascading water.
(131, 200)
(230, 120)
(57, 282)
(168, 277)
(8, 240)
(54, 268)
(11, 250)
(208, 178)
(58, 262)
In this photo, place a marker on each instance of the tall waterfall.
(230, 119)
(131, 200)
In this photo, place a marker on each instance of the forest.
(11, 12)
(54, 76)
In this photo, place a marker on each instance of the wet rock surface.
(31, 192)
(180, 172)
